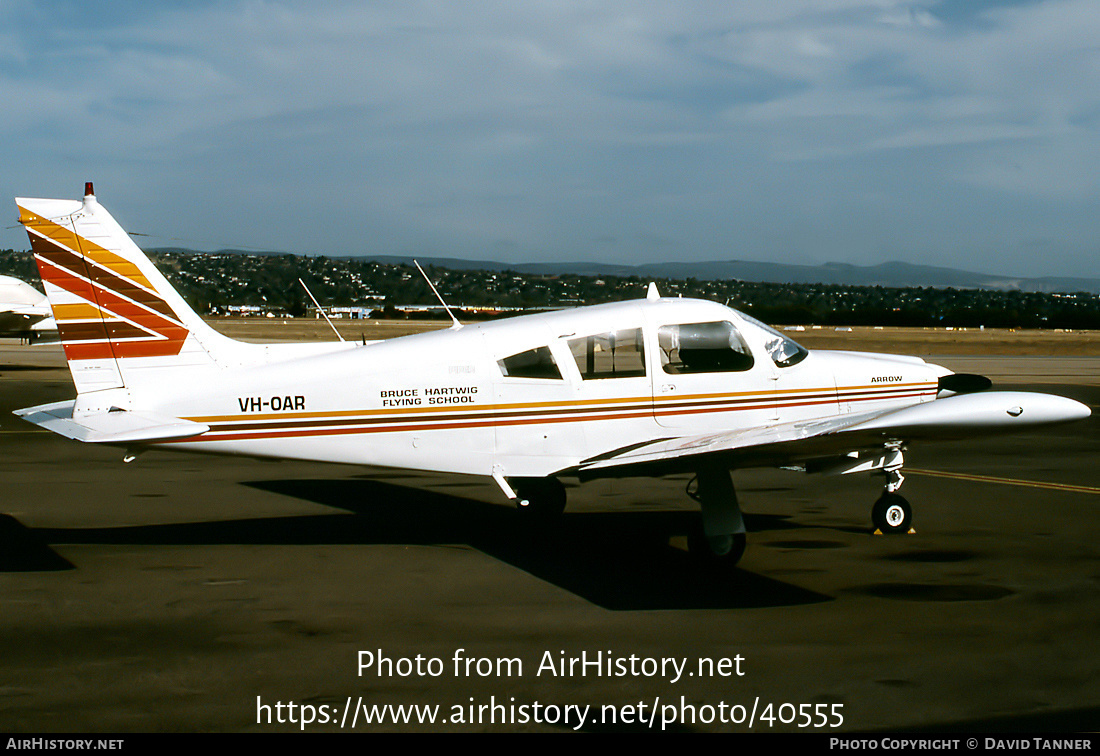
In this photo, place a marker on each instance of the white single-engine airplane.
(646, 387)
(24, 311)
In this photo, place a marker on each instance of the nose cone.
(1071, 409)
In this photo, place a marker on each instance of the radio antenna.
(320, 309)
(454, 320)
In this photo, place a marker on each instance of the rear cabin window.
(616, 354)
(534, 363)
(703, 348)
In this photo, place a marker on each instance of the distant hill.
(890, 274)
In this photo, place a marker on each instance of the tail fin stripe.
(105, 301)
(77, 312)
(70, 267)
(69, 239)
(92, 330)
(105, 277)
(83, 331)
(63, 278)
(136, 313)
(68, 261)
(123, 287)
(92, 333)
(112, 303)
(163, 336)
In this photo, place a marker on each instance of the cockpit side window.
(703, 348)
(784, 351)
(534, 363)
(615, 354)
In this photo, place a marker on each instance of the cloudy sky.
(951, 132)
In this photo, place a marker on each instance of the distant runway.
(188, 593)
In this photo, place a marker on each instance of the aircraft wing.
(20, 321)
(799, 442)
(22, 308)
(115, 427)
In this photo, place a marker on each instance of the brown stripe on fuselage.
(501, 415)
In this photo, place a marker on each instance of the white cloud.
(450, 127)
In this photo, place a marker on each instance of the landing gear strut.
(721, 539)
(892, 514)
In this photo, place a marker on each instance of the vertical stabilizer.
(117, 316)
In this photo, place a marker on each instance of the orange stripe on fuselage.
(348, 422)
(648, 400)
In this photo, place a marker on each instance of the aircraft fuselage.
(533, 395)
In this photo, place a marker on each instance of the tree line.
(213, 282)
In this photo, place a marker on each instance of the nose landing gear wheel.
(892, 514)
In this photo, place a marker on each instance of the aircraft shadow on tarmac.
(23, 549)
(620, 561)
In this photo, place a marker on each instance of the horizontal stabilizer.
(115, 427)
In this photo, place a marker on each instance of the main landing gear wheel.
(892, 514)
(719, 539)
(717, 551)
(540, 498)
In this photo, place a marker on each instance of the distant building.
(249, 311)
(344, 313)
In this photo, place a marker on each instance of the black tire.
(540, 498)
(892, 514)
(720, 551)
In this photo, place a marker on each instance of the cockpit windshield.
(784, 351)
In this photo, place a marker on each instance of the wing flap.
(117, 427)
(778, 444)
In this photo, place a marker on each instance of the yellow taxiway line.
(1006, 481)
